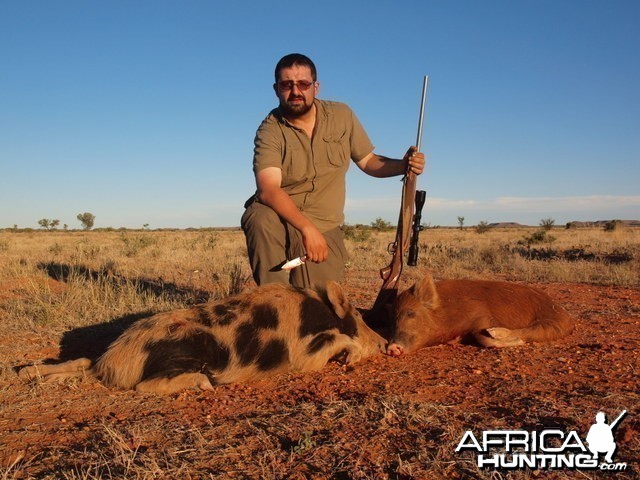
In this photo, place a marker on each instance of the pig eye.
(410, 314)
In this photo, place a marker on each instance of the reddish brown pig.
(495, 314)
(273, 329)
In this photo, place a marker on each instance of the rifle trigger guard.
(392, 247)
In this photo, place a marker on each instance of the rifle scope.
(412, 259)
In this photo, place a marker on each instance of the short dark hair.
(295, 59)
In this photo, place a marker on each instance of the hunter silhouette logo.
(600, 436)
(547, 449)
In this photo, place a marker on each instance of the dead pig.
(272, 329)
(495, 314)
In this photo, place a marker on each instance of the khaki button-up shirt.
(314, 170)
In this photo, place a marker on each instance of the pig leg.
(50, 373)
(167, 386)
(498, 337)
(543, 331)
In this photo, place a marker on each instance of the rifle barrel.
(421, 117)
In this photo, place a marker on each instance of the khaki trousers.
(271, 242)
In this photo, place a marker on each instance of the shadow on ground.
(93, 340)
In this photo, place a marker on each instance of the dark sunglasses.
(286, 85)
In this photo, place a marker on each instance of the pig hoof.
(29, 373)
(498, 337)
(205, 384)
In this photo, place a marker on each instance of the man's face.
(296, 90)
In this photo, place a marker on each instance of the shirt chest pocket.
(295, 165)
(337, 148)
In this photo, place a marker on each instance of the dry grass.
(564, 256)
(343, 439)
(51, 282)
(73, 279)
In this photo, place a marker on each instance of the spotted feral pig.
(494, 314)
(272, 329)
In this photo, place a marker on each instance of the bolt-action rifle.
(407, 233)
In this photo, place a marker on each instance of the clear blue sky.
(144, 112)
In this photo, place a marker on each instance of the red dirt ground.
(383, 418)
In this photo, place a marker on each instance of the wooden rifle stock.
(406, 234)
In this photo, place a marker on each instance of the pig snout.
(394, 349)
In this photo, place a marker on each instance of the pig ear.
(337, 298)
(426, 292)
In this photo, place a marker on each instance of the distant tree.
(380, 224)
(547, 223)
(461, 222)
(356, 233)
(86, 219)
(483, 227)
(612, 226)
(571, 225)
(48, 224)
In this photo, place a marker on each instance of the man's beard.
(297, 109)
